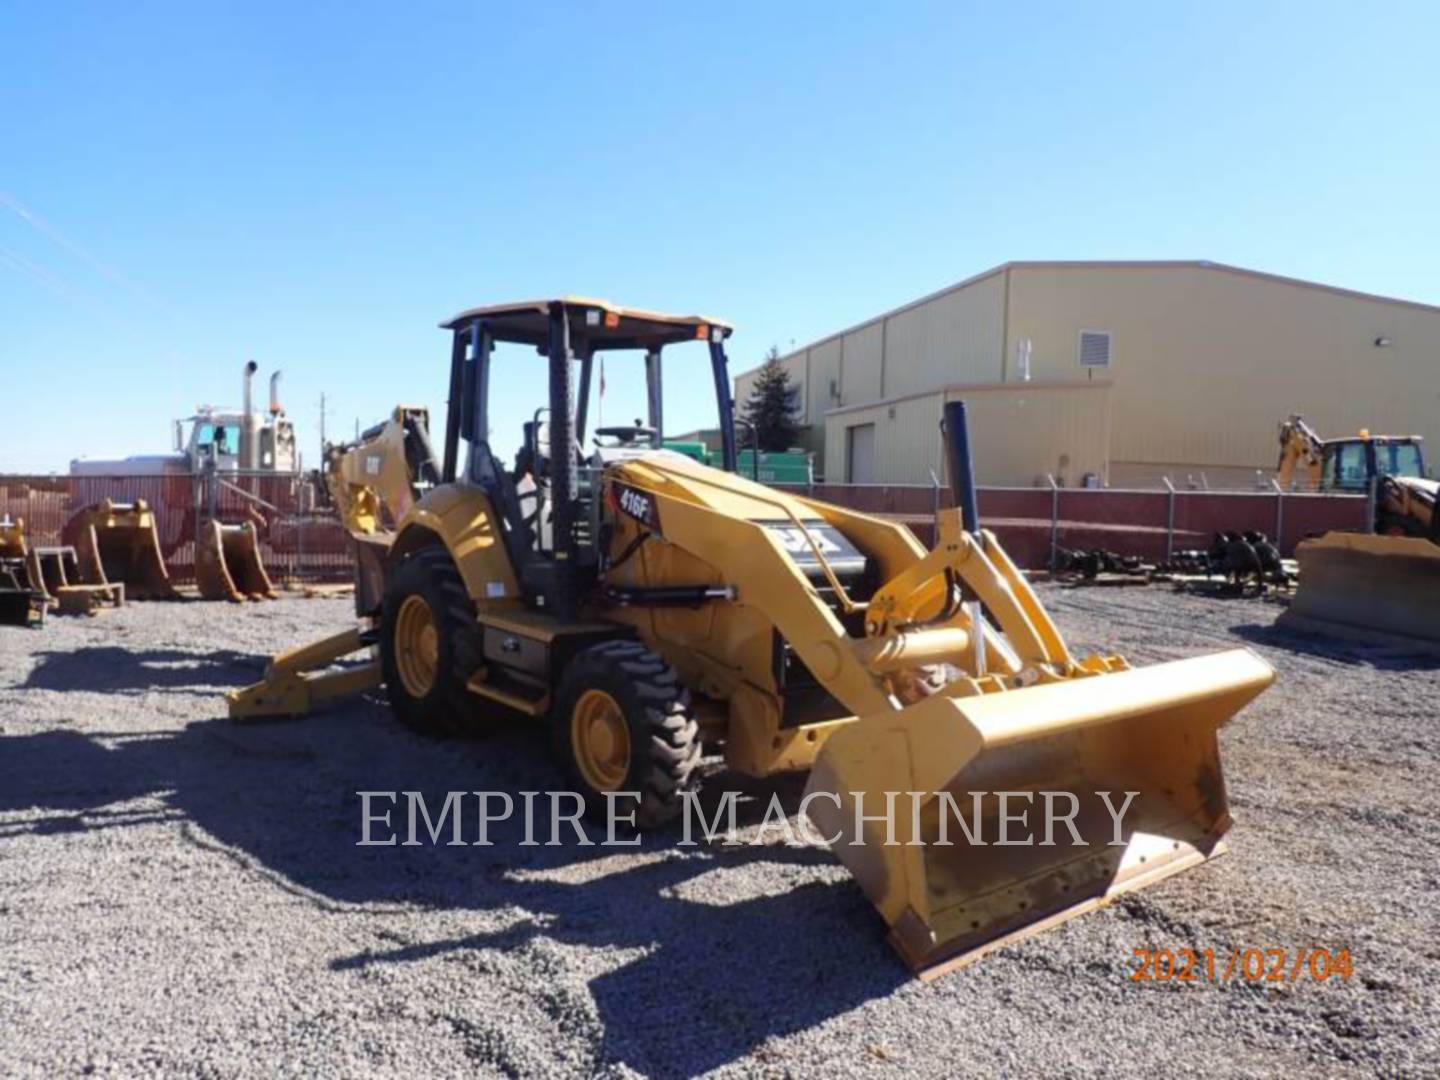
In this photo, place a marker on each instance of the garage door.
(860, 454)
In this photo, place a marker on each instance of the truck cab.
(220, 435)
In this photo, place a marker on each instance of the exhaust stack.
(275, 408)
(250, 425)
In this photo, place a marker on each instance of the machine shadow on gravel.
(1336, 650)
(109, 669)
(281, 799)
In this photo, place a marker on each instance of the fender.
(464, 521)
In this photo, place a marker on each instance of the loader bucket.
(117, 544)
(227, 563)
(1384, 588)
(949, 896)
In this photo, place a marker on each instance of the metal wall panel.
(907, 443)
(956, 337)
(823, 391)
(1207, 361)
(1021, 433)
(863, 364)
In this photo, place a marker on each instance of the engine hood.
(1428, 488)
(680, 477)
(636, 480)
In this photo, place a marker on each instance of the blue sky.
(186, 186)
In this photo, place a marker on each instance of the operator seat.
(492, 478)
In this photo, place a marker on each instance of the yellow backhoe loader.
(1384, 585)
(644, 606)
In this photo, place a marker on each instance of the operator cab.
(1351, 464)
(547, 501)
(624, 442)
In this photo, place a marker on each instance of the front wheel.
(621, 722)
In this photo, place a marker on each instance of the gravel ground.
(180, 895)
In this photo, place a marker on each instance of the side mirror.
(179, 436)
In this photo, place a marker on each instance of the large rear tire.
(429, 644)
(621, 722)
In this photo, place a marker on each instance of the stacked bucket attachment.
(1004, 786)
(227, 563)
(1384, 589)
(56, 572)
(117, 544)
(21, 602)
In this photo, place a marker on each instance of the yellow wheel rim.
(601, 740)
(417, 647)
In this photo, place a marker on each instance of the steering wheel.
(628, 434)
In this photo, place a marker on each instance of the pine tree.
(771, 407)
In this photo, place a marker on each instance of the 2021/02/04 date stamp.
(1248, 965)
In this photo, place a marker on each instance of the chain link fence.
(301, 542)
(1033, 522)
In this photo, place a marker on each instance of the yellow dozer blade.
(227, 563)
(1381, 588)
(1043, 755)
(117, 543)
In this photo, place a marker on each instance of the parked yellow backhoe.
(1385, 585)
(644, 607)
(1394, 465)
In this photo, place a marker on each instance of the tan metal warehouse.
(1124, 371)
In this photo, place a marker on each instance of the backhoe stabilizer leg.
(294, 687)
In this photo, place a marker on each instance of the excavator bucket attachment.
(19, 604)
(1016, 793)
(20, 600)
(117, 544)
(1380, 588)
(227, 563)
(300, 679)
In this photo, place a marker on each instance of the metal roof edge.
(1116, 264)
(974, 387)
